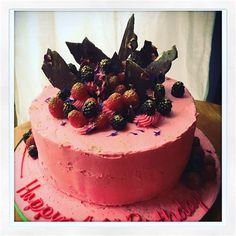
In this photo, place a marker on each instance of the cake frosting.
(114, 167)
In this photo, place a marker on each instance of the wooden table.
(209, 121)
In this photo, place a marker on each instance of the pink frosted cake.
(116, 134)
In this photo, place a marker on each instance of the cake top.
(111, 92)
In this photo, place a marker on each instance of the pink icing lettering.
(35, 205)
(28, 189)
(46, 213)
(28, 196)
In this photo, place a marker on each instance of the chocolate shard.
(139, 78)
(86, 51)
(57, 71)
(162, 63)
(129, 41)
(116, 63)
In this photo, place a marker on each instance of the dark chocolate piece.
(129, 41)
(162, 64)
(116, 64)
(138, 77)
(86, 51)
(57, 70)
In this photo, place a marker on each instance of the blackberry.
(159, 92)
(68, 107)
(161, 78)
(64, 94)
(86, 74)
(129, 114)
(90, 109)
(106, 65)
(177, 89)
(148, 107)
(33, 151)
(26, 135)
(164, 106)
(118, 122)
(72, 68)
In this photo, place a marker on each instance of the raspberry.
(79, 91)
(77, 119)
(63, 94)
(27, 135)
(33, 151)
(86, 74)
(106, 65)
(131, 98)
(115, 102)
(120, 89)
(177, 89)
(90, 109)
(55, 107)
(148, 107)
(30, 141)
(164, 106)
(118, 122)
(159, 92)
(102, 121)
(68, 107)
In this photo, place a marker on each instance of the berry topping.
(102, 121)
(87, 74)
(118, 122)
(77, 119)
(164, 106)
(90, 109)
(106, 65)
(148, 107)
(159, 92)
(27, 135)
(120, 89)
(129, 114)
(115, 102)
(79, 91)
(33, 151)
(55, 107)
(177, 89)
(68, 107)
(131, 98)
(30, 141)
(73, 68)
(63, 94)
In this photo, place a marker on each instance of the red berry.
(30, 141)
(193, 180)
(77, 119)
(79, 91)
(91, 99)
(131, 98)
(115, 102)
(102, 121)
(55, 107)
(120, 89)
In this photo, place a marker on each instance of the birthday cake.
(113, 138)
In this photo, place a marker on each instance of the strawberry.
(115, 102)
(131, 98)
(120, 89)
(77, 119)
(79, 91)
(30, 141)
(55, 107)
(102, 121)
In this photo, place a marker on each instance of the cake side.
(134, 165)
